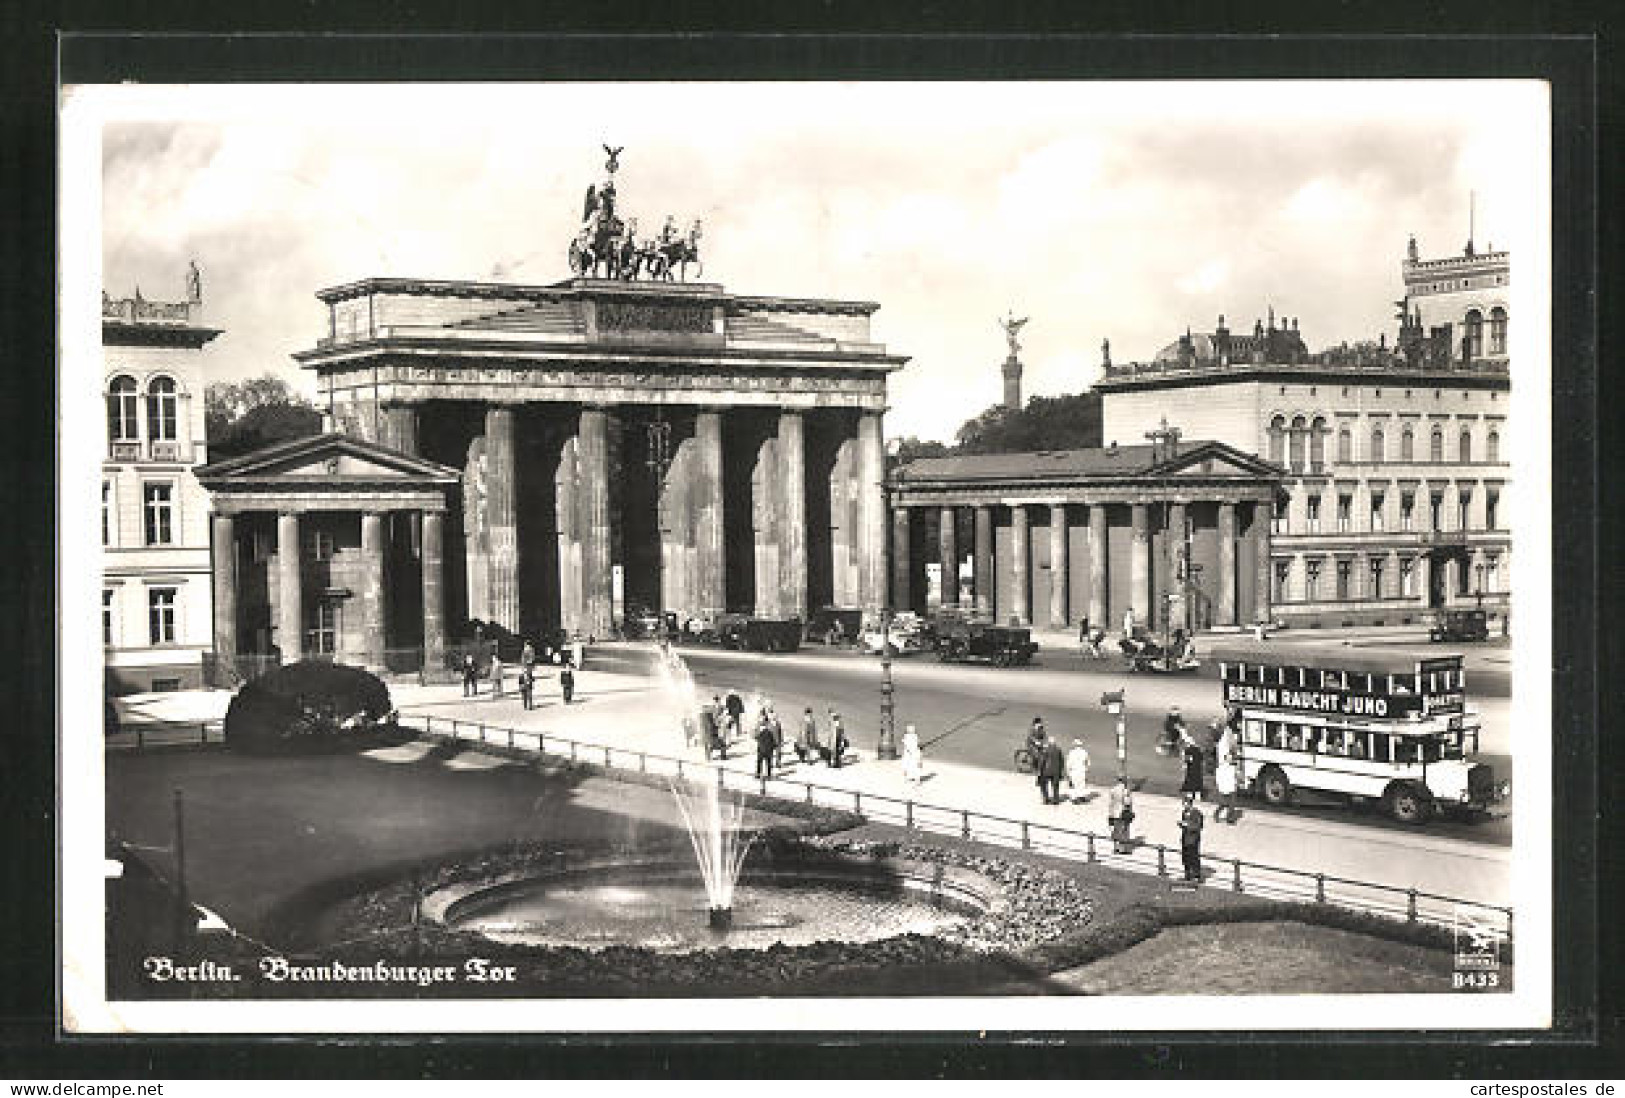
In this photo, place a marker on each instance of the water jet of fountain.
(715, 825)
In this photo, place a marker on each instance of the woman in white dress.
(913, 758)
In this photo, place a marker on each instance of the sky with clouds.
(1120, 211)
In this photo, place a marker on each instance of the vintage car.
(759, 634)
(834, 625)
(1000, 645)
(907, 634)
(1459, 625)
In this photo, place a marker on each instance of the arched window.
(1492, 447)
(1317, 445)
(1498, 331)
(1407, 445)
(121, 410)
(1278, 440)
(161, 409)
(1299, 429)
(1466, 454)
(1436, 446)
(1345, 445)
(1378, 445)
(1475, 334)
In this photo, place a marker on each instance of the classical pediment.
(330, 457)
(1214, 459)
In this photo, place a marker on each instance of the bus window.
(1357, 745)
(1331, 680)
(1429, 749)
(1379, 747)
(1277, 735)
(1336, 742)
(1254, 732)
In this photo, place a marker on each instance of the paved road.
(977, 715)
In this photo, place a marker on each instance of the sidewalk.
(630, 714)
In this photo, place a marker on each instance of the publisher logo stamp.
(1476, 952)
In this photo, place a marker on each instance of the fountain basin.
(660, 904)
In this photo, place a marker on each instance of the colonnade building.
(1397, 470)
(571, 450)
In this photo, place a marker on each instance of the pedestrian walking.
(838, 743)
(710, 734)
(807, 745)
(1195, 780)
(1190, 839)
(1035, 740)
(567, 684)
(527, 687)
(496, 676)
(778, 734)
(1128, 624)
(736, 713)
(527, 657)
(471, 677)
(1224, 777)
(1173, 731)
(1120, 811)
(913, 757)
(1077, 770)
(578, 654)
(765, 746)
(1051, 768)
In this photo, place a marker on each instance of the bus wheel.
(1410, 805)
(1274, 787)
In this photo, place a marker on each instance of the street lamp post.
(1113, 702)
(887, 747)
(659, 461)
(1478, 569)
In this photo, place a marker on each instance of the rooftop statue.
(1012, 326)
(605, 247)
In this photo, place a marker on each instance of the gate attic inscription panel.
(596, 421)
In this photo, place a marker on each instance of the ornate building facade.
(156, 607)
(1397, 467)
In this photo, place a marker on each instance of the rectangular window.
(107, 513)
(161, 615)
(1492, 507)
(1436, 511)
(1278, 516)
(1345, 573)
(319, 545)
(1407, 577)
(107, 616)
(1375, 591)
(1345, 508)
(323, 638)
(160, 513)
(1464, 508)
(1282, 570)
(1377, 501)
(1313, 503)
(1492, 574)
(1407, 510)
(260, 547)
(1311, 585)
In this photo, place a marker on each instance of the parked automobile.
(907, 634)
(834, 625)
(1000, 645)
(759, 634)
(1459, 625)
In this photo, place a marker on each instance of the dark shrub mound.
(308, 706)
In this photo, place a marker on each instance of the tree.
(910, 448)
(1046, 423)
(245, 415)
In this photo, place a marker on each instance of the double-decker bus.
(1380, 724)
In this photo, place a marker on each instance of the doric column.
(400, 427)
(792, 515)
(1097, 566)
(372, 590)
(290, 616)
(708, 542)
(948, 555)
(1139, 570)
(1424, 578)
(434, 600)
(1176, 584)
(1058, 573)
(501, 476)
(1020, 565)
(842, 536)
(1261, 579)
(593, 458)
(982, 574)
(764, 526)
(902, 575)
(223, 554)
(1452, 580)
(1226, 611)
(871, 512)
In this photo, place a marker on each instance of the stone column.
(1424, 578)
(842, 539)
(593, 456)
(1058, 572)
(902, 594)
(1140, 566)
(792, 515)
(400, 427)
(871, 513)
(434, 603)
(1226, 611)
(1261, 581)
(223, 554)
(1021, 564)
(949, 557)
(290, 618)
(1452, 580)
(501, 475)
(1176, 585)
(372, 590)
(984, 580)
(1097, 566)
(708, 505)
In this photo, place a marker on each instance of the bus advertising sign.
(1347, 703)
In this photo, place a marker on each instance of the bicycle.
(1026, 762)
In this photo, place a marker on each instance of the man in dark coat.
(736, 711)
(567, 683)
(767, 745)
(1195, 768)
(471, 677)
(527, 686)
(1051, 769)
(1190, 839)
